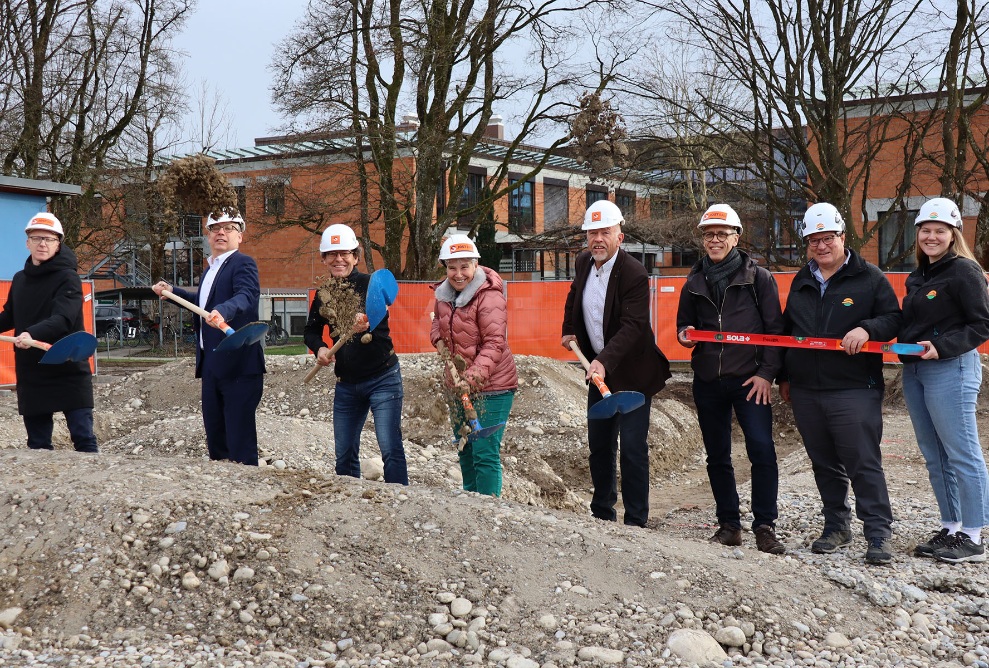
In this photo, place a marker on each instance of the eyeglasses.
(231, 227)
(826, 240)
(40, 241)
(720, 236)
(334, 255)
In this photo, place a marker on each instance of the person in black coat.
(45, 304)
(607, 314)
(233, 381)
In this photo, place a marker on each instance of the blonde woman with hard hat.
(369, 378)
(471, 320)
(947, 309)
(837, 395)
(45, 304)
(728, 291)
(607, 315)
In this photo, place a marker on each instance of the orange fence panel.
(535, 318)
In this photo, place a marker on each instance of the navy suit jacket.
(235, 293)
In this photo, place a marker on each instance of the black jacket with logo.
(858, 295)
(751, 304)
(948, 305)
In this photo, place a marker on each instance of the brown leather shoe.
(727, 535)
(766, 541)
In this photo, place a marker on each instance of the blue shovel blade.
(245, 336)
(381, 293)
(907, 348)
(619, 402)
(485, 432)
(75, 347)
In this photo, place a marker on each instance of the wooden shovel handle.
(40, 345)
(464, 397)
(333, 351)
(595, 378)
(203, 313)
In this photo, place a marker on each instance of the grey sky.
(229, 45)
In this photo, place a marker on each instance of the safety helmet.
(940, 210)
(602, 214)
(458, 246)
(822, 217)
(45, 221)
(720, 214)
(337, 237)
(225, 218)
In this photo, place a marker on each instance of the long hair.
(958, 245)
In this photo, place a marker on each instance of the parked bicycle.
(276, 336)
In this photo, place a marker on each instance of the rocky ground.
(150, 555)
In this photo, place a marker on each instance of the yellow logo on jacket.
(932, 294)
(847, 301)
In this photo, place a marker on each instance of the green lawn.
(290, 349)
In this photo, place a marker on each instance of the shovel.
(245, 336)
(381, 292)
(76, 347)
(476, 430)
(611, 403)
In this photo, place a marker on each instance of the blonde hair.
(958, 244)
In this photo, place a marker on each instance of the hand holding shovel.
(360, 325)
(611, 403)
(245, 336)
(76, 347)
(477, 431)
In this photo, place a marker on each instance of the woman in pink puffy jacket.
(471, 318)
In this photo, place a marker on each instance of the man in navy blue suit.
(232, 380)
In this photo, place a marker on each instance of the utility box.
(19, 200)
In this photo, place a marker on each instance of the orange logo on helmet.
(335, 239)
(461, 248)
(932, 294)
(42, 221)
(720, 215)
(847, 301)
(820, 226)
(595, 216)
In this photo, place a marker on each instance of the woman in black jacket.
(947, 310)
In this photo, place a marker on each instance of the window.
(192, 226)
(625, 201)
(473, 193)
(596, 194)
(521, 208)
(556, 206)
(274, 199)
(241, 199)
(897, 237)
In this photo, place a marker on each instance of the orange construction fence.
(7, 376)
(535, 315)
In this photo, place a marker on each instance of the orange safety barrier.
(7, 375)
(535, 315)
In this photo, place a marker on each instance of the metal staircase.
(124, 265)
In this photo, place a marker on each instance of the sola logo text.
(735, 337)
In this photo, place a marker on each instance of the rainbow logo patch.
(932, 294)
(847, 301)
(820, 226)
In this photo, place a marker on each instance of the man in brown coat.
(607, 313)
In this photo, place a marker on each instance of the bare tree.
(352, 65)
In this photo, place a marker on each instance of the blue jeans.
(382, 395)
(941, 397)
(79, 421)
(715, 402)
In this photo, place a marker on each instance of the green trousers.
(480, 460)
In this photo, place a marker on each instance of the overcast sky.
(229, 45)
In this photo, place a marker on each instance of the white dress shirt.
(595, 293)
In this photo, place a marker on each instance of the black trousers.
(79, 421)
(603, 438)
(842, 430)
(230, 416)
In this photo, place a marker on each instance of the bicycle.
(276, 335)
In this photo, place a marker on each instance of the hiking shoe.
(766, 540)
(727, 535)
(959, 548)
(831, 541)
(879, 551)
(937, 540)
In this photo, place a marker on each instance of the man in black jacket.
(837, 396)
(607, 314)
(727, 291)
(45, 304)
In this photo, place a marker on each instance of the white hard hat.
(45, 221)
(602, 214)
(720, 214)
(940, 210)
(337, 237)
(458, 246)
(225, 218)
(822, 217)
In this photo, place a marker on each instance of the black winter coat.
(751, 304)
(858, 295)
(46, 301)
(946, 304)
